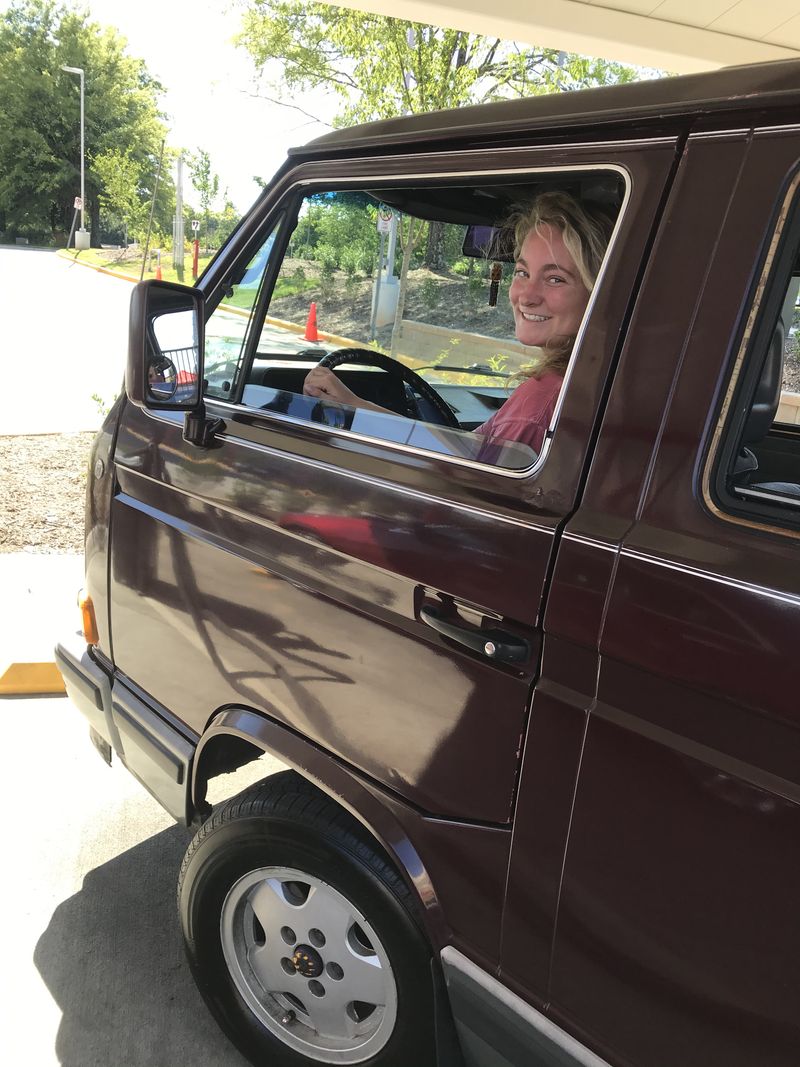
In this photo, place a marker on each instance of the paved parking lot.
(93, 968)
(68, 362)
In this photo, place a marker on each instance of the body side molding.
(499, 1029)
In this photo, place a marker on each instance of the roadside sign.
(384, 218)
(195, 225)
(78, 203)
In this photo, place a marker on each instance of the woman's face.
(547, 295)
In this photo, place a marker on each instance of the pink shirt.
(526, 414)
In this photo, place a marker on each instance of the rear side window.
(759, 471)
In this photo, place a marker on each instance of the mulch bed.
(42, 491)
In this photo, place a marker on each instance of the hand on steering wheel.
(366, 356)
(323, 384)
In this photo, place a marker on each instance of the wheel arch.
(224, 746)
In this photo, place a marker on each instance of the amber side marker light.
(87, 614)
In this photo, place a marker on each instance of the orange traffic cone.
(158, 268)
(311, 324)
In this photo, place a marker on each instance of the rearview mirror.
(489, 242)
(165, 347)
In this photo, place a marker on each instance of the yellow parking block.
(22, 679)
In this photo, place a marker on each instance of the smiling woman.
(560, 247)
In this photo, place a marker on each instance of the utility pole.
(177, 230)
(152, 209)
(82, 236)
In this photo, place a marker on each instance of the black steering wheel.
(369, 358)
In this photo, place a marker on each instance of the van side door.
(293, 569)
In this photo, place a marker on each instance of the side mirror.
(165, 347)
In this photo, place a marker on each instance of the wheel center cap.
(307, 961)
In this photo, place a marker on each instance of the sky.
(210, 100)
(187, 45)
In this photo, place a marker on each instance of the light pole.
(81, 237)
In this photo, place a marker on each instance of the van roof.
(716, 91)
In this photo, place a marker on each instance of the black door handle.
(493, 643)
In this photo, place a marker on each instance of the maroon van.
(537, 705)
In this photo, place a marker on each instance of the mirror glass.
(172, 372)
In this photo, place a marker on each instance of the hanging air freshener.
(495, 276)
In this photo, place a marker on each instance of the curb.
(31, 679)
(93, 266)
(40, 590)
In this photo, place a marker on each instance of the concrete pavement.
(64, 337)
(93, 968)
(94, 973)
(63, 343)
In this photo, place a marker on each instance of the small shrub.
(327, 280)
(352, 288)
(498, 362)
(350, 261)
(476, 291)
(366, 263)
(328, 257)
(429, 293)
(103, 405)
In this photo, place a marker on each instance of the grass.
(131, 263)
(244, 296)
(293, 286)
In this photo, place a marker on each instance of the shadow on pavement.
(112, 958)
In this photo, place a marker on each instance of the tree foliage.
(120, 183)
(206, 182)
(338, 231)
(219, 224)
(381, 67)
(40, 119)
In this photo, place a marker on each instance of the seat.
(760, 421)
(762, 414)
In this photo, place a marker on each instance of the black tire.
(263, 850)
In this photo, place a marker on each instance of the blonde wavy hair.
(586, 231)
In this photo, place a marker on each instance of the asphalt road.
(63, 337)
(93, 968)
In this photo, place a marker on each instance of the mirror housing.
(165, 347)
(489, 242)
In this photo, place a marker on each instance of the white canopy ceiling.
(681, 36)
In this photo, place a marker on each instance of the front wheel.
(301, 936)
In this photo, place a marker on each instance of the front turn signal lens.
(89, 621)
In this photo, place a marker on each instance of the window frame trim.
(786, 217)
(276, 225)
(287, 206)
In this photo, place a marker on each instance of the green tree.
(338, 226)
(381, 67)
(120, 196)
(40, 118)
(206, 182)
(227, 219)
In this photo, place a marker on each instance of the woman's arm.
(323, 384)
